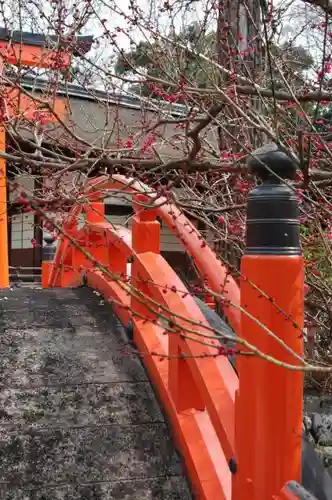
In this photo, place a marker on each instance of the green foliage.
(138, 57)
(293, 60)
(168, 61)
(315, 253)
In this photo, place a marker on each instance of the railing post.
(48, 258)
(145, 238)
(145, 229)
(95, 242)
(4, 266)
(268, 410)
(95, 211)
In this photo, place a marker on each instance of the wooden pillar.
(268, 409)
(4, 264)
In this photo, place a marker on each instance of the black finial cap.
(49, 240)
(276, 160)
(272, 208)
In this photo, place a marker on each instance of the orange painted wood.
(209, 266)
(46, 272)
(4, 264)
(19, 104)
(145, 236)
(188, 431)
(94, 212)
(198, 391)
(204, 456)
(69, 225)
(28, 55)
(269, 403)
(215, 378)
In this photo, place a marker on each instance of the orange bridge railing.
(238, 432)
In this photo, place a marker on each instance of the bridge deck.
(78, 417)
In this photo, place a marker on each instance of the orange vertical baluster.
(95, 212)
(93, 243)
(117, 261)
(46, 273)
(145, 238)
(96, 242)
(269, 402)
(145, 230)
(79, 263)
(182, 384)
(4, 265)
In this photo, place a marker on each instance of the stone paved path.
(78, 417)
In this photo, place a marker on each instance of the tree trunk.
(239, 51)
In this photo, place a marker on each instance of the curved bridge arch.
(196, 386)
(209, 266)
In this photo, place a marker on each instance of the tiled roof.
(124, 99)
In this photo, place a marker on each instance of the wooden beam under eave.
(29, 55)
(19, 104)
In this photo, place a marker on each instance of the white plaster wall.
(22, 229)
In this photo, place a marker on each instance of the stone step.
(85, 404)
(86, 454)
(62, 336)
(156, 488)
(43, 356)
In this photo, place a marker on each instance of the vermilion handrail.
(198, 391)
(210, 267)
(196, 387)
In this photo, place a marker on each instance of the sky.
(110, 11)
